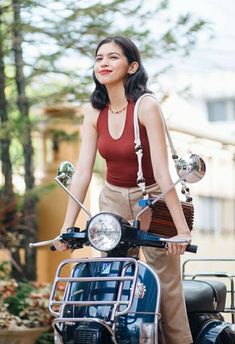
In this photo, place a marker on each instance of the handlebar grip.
(191, 248)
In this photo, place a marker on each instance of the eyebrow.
(111, 53)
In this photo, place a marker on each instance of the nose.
(104, 62)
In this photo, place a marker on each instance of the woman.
(120, 79)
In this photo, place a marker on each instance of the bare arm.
(83, 172)
(150, 116)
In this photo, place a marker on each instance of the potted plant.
(24, 313)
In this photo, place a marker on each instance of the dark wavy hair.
(135, 84)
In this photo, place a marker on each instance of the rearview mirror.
(194, 165)
(65, 172)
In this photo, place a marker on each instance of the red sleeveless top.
(120, 156)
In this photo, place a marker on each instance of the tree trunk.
(23, 106)
(7, 197)
(5, 141)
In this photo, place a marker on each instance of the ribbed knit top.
(120, 156)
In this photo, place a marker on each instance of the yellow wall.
(52, 205)
(51, 214)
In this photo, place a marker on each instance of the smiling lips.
(104, 71)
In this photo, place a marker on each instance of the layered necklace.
(116, 112)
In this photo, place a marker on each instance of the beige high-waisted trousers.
(124, 202)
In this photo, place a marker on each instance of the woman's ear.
(133, 67)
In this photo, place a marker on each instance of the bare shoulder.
(149, 109)
(90, 114)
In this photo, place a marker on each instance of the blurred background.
(46, 57)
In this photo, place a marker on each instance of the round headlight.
(104, 231)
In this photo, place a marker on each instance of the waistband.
(154, 187)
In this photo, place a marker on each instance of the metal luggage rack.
(69, 280)
(229, 276)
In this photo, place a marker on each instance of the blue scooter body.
(91, 282)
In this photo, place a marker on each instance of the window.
(221, 110)
(216, 110)
(233, 111)
(215, 215)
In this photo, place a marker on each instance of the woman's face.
(111, 65)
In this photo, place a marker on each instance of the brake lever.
(44, 243)
(60, 237)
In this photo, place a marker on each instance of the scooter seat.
(204, 296)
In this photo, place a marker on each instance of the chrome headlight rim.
(117, 231)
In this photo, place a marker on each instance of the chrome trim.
(87, 303)
(157, 317)
(95, 279)
(73, 197)
(217, 274)
(70, 280)
(132, 294)
(63, 320)
(162, 194)
(147, 313)
(116, 303)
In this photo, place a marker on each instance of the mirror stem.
(73, 197)
(163, 194)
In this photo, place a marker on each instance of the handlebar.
(134, 237)
(191, 248)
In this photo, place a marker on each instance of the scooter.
(116, 299)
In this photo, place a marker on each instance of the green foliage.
(60, 38)
(23, 304)
(5, 270)
(46, 338)
(16, 303)
(13, 229)
(10, 221)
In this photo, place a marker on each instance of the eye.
(98, 59)
(114, 57)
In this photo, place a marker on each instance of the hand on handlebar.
(60, 246)
(178, 248)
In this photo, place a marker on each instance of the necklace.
(117, 111)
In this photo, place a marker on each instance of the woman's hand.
(60, 246)
(178, 248)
